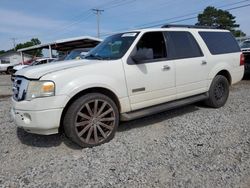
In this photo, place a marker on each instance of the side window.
(182, 44)
(155, 42)
(220, 42)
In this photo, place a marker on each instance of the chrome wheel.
(95, 121)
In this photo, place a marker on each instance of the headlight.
(37, 89)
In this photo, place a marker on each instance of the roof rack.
(188, 26)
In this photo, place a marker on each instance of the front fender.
(77, 85)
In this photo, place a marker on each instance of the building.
(65, 45)
(13, 58)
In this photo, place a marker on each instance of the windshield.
(39, 62)
(245, 44)
(76, 54)
(113, 47)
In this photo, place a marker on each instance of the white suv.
(129, 75)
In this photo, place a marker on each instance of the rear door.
(191, 65)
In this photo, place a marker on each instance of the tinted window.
(154, 41)
(181, 44)
(220, 42)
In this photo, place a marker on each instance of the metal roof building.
(65, 45)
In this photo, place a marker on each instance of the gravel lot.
(5, 85)
(193, 146)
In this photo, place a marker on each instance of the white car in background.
(35, 62)
(245, 46)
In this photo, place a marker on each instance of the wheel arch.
(100, 90)
(227, 74)
(221, 68)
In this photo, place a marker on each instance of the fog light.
(26, 118)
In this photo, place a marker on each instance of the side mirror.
(143, 54)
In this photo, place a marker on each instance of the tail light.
(242, 59)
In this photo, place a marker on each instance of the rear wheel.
(218, 92)
(91, 120)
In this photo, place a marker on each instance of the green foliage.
(2, 52)
(32, 42)
(221, 19)
(238, 33)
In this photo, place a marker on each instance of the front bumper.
(44, 122)
(39, 116)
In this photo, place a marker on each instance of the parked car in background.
(127, 76)
(4, 67)
(39, 61)
(10, 59)
(245, 48)
(79, 53)
(7, 67)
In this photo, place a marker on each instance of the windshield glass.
(245, 44)
(35, 62)
(113, 47)
(75, 54)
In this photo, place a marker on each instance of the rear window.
(220, 42)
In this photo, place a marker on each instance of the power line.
(121, 4)
(190, 14)
(116, 3)
(77, 19)
(184, 19)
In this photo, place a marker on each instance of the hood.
(37, 71)
(18, 67)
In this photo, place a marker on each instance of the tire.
(9, 70)
(218, 92)
(91, 120)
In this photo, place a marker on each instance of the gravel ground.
(193, 146)
(5, 85)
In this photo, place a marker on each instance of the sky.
(51, 20)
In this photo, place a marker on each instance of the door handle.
(165, 67)
(203, 63)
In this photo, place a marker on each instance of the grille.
(19, 88)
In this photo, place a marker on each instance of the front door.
(150, 81)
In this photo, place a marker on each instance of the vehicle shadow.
(46, 141)
(38, 140)
(156, 118)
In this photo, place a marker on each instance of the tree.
(32, 42)
(2, 52)
(221, 19)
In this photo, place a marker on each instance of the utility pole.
(14, 42)
(98, 13)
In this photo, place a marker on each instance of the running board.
(162, 107)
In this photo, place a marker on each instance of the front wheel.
(218, 92)
(91, 120)
(10, 70)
